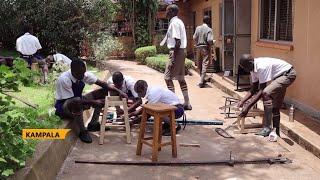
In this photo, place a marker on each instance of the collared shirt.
(62, 58)
(64, 84)
(266, 69)
(203, 35)
(157, 94)
(127, 85)
(28, 44)
(176, 30)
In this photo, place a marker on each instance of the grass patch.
(159, 62)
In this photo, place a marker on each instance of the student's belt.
(284, 73)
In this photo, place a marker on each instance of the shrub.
(13, 149)
(144, 52)
(161, 49)
(159, 62)
(104, 45)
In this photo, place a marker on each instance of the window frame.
(276, 27)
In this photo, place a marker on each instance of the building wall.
(186, 9)
(303, 53)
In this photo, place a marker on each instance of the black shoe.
(93, 126)
(166, 131)
(85, 137)
(187, 107)
(202, 85)
(264, 132)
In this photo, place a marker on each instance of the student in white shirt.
(176, 40)
(157, 94)
(203, 38)
(28, 46)
(279, 74)
(126, 85)
(59, 58)
(69, 100)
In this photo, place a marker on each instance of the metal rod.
(230, 162)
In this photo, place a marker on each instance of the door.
(242, 30)
(228, 35)
(236, 32)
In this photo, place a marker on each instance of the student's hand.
(240, 104)
(244, 112)
(170, 65)
(120, 111)
(123, 95)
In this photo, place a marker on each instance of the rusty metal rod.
(230, 162)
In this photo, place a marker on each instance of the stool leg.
(173, 134)
(142, 131)
(103, 122)
(126, 120)
(155, 140)
(160, 134)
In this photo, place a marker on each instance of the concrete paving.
(213, 147)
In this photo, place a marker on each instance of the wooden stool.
(248, 128)
(158, 111)
(112, 101)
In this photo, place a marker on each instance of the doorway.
(236, 33)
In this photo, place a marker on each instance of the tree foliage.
(141, 14)
(60, 24)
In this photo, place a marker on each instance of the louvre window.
(276, 20)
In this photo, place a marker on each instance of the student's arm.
(254, 100)
(253, 90)
(137, 103)
(135, 113)
(111, 88)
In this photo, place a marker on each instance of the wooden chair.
(248, 128)
(112, 101)
(158, 111)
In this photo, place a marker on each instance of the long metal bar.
(230, 162)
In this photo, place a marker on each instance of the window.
(207, 12)
(121, 28)
(276, 20)
(161, 26)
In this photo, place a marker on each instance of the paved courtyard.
(213, 147)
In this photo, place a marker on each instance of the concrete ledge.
(297, 131)
(48, 158)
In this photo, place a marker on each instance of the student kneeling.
(156, 94)
(69, 100)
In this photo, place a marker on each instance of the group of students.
(70, 103)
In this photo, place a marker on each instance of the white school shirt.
(62, 58)
(266, 69)
(176, 30)
(127, 85)
(28, 44)
(64, 84)
(157, 94)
